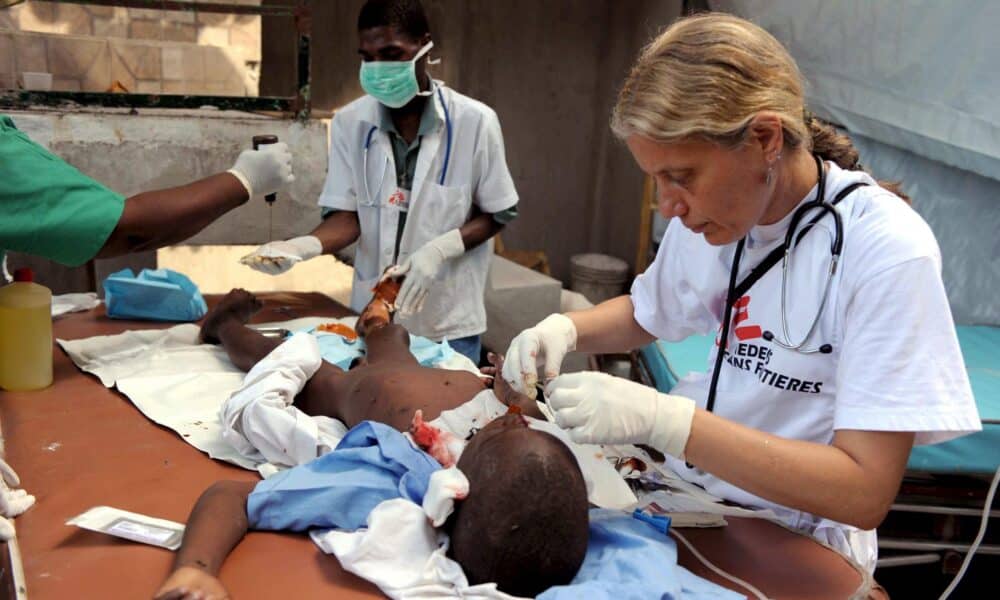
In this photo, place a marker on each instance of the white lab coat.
(476, 174)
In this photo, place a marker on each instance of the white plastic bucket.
(597, 276)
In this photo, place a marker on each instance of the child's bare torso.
(391, 393)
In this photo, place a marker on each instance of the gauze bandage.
(445, 487)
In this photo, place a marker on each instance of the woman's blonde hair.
(707, 76)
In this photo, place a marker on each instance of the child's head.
(524, 522)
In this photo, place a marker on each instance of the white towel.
(69, 303)
(175, 381)
(259, 419)
(403, 555)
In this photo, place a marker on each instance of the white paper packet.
(131, 526)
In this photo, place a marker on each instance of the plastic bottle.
(25, 334)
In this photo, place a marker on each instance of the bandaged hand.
(545, 344)
(275, 258)
(264, 171)
(191, 583)
(597, 408)
(422, 268)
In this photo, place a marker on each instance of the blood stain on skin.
(432, 440)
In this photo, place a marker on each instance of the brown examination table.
(78, 444)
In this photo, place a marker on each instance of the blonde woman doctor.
(418, 178)
(822, 378)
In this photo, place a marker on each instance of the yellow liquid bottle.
(25, 334)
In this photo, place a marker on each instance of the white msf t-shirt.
(895, 364)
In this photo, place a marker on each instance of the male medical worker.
(49, 209)
(418, 177)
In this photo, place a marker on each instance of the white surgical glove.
(264, 171)
(275, 258)
(12, 502)
(597, 408)
(422, 268)
(544, 344)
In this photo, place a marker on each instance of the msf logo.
(742, 315)
(398, 198)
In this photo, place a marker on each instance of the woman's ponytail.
(837, 147)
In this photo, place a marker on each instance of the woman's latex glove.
(12, 502)
(422, 268)
(264, 171)
(191, 583)
(544, 344)
(275, 258)
(597, 408)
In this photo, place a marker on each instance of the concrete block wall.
(90, 48)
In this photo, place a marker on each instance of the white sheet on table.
(68, 303)
(173, 380)
(181, 384)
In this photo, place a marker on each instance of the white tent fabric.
(914, 84)
(915, 74)
(963, 211)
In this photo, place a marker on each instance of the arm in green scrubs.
(47, 207)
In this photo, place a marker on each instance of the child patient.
(523, 524)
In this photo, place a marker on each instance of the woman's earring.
(770, 170)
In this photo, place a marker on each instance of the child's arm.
(217, 523)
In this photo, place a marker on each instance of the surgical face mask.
(393, 83)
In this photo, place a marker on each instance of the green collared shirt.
(405, 155)
(47, 207)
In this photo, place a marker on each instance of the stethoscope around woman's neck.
(792, 238)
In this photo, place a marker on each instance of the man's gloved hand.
(422, 267)
(266, 170)
(275, 258)
(597, 408)
(544, 344)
